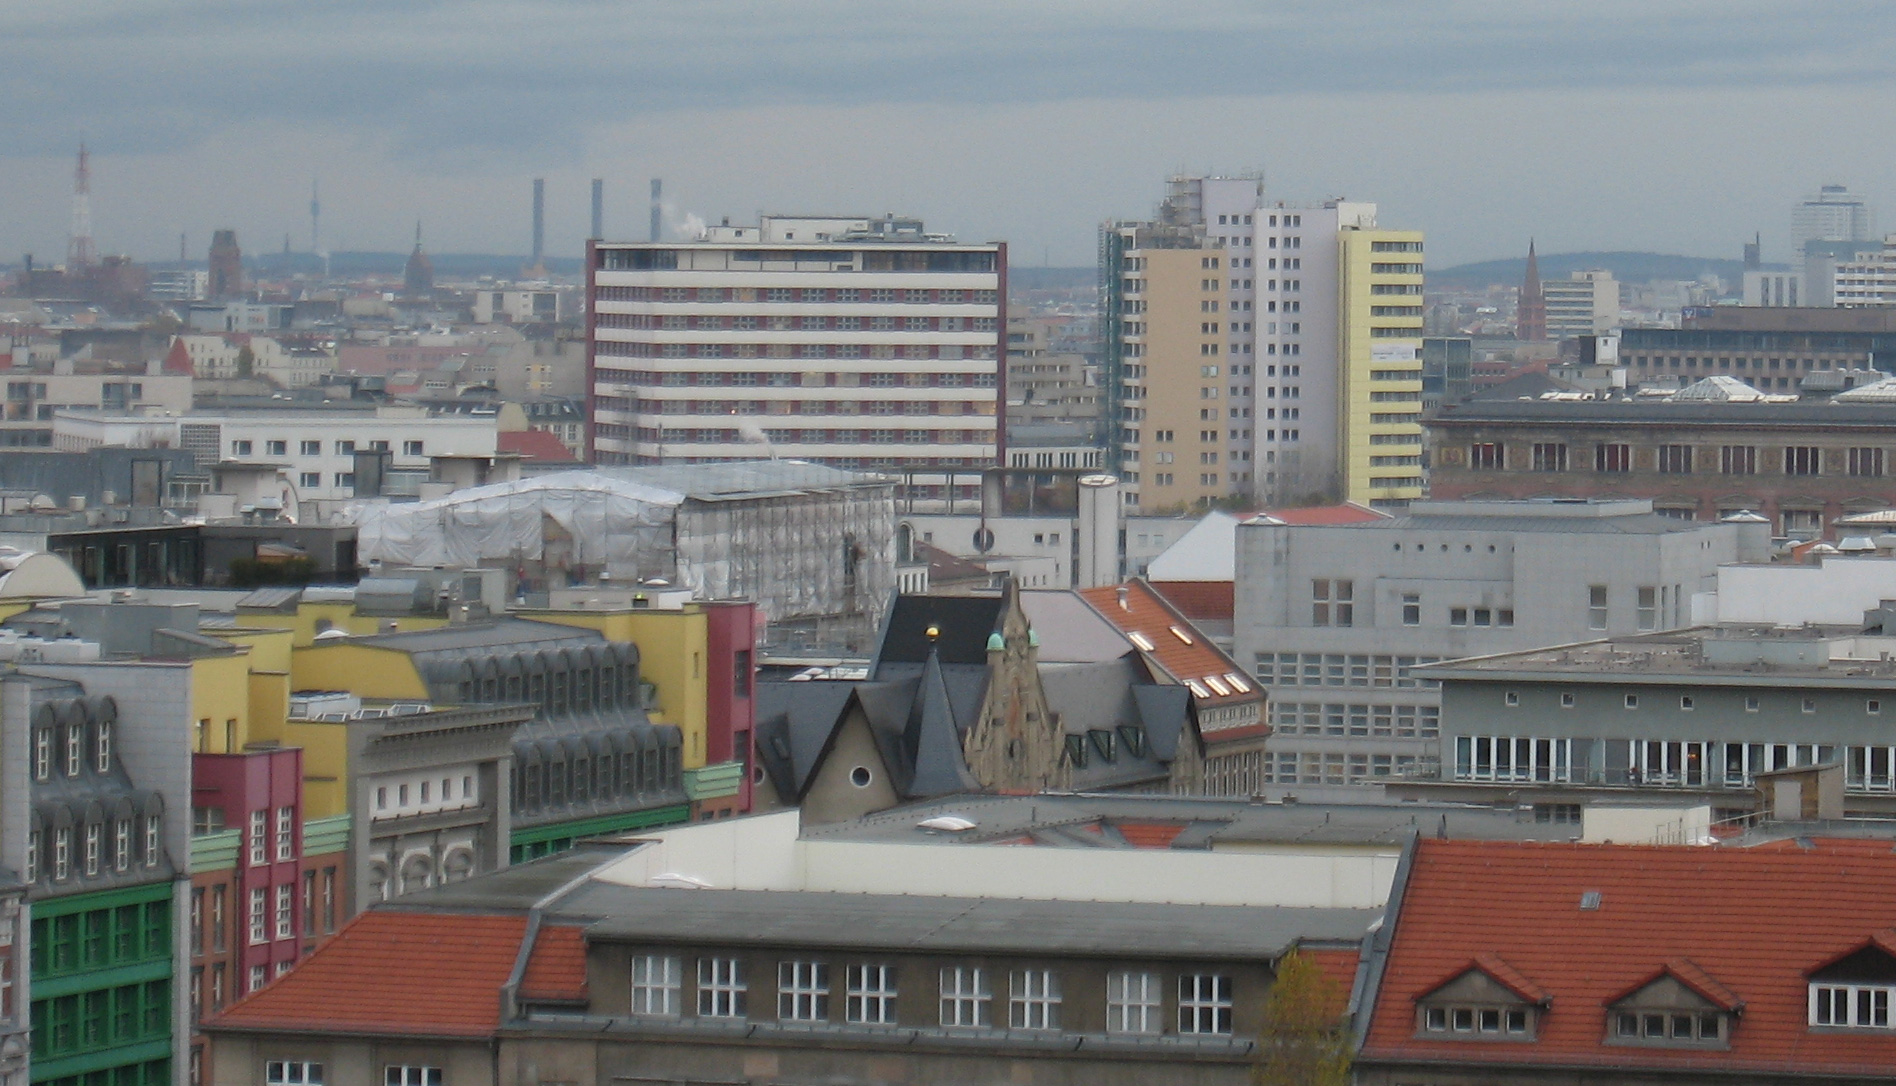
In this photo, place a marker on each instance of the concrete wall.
(1837, 591)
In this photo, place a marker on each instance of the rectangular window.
(311, 448)
(720, 988)
(1613, 457)
(1550, 456)
(1856, 1006)
(411, 448)
(656, 981)
(1204, 1003)
(1738, 459)
(1412, 609)
(1647, 615)
(1487, 456)
(870, 995)
(1133, 1003)
(259, 838)
(411, 1075)
(1803, 460)
(1035, 999)
(277, 448)
(803, 991)
(285, 911)
(1675, 459)
(1332, 602)
(259, 920)
(286, 833)
(1867, 463)
(1596, 607)
(965, 997)
(293, 1073)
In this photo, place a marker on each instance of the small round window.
(860, 776)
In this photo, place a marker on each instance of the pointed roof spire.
(418, 235)
(1530, 310)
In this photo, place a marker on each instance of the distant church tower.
(418, 274)
(1530, 312)
(227, 265)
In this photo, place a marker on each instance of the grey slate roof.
(890, 922)
(1802, 414)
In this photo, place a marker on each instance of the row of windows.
(808, 323)
(613, 348)
(1620, 457)
(78, 732)
(274, 447)
(98, 849)
(101, 938)
(808, 295)
(1658, 762)
(1380, 721)
(90, 1021)
(966, 996)
(655, 406)
(1313, 767)
(750, 379)
(720, 436)
(1332, 669)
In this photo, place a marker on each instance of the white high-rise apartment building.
(853, 342)
(1263, 350)
(1869, 280)
(1586, 304)
(1831, 214)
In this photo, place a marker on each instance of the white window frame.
(259, 915)
(721, 990)
(802, 991)
(293, 1073)
(151, 840)
(410, 1074)
(966, 997)
(75, 746)
(103, 752)
(122, 845)
(1133, 1002)
(285, 911)
(1863, 1006)
(95, 837)
(286, 833)
(1034, 999)
(1204, 1003)
(657, 980)
(259, 838)
(62, 853)
(869, 994)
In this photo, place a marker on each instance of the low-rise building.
(1335, 619)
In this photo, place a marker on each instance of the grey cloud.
(442, 81)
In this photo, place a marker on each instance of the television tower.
(79, 250)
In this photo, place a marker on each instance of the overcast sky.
(1669, 125)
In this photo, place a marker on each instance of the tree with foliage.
(1303, 1041)
(246, 361)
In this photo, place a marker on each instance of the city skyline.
(1619, 126)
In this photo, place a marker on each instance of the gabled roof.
(403, 973)
(1500, 972)
(1171, 644)
(1686, 972)
(1730, 923)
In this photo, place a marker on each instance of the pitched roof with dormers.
(1172, 645)
(1585, 926)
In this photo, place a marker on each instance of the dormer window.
(1855, 991)
(1680, 1006)
(1487, 1001)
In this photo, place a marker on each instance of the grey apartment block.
(1332, 618)
(1691, 717)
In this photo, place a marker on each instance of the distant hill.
(1626, 267)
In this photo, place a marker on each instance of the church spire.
(1530, 310)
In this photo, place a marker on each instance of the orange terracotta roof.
(534, 445)
(1687, 972)
(1169, 641)
(388, 972)
(1200, 599)
(556, 970)
(1339, 965)
(1150, 834)
(1327, 514)
(1740, 925)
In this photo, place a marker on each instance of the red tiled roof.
(1150, 834)
(534, 445)
(1200, 599)
(1145, 613)
(1739, 925)
(1346, 513)
(1503, 973)
(1339, 965)
(178, 359)
(1686, 972)
(556, 970)
(387, 972)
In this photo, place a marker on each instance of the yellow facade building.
(1379, 356)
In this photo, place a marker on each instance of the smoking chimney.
(599, 209)
(539, 220)
(658, 187)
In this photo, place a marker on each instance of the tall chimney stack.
(539, 220)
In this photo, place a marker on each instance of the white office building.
(854, 342)
(1587, 304)
(1869, 280)
(1831, 214)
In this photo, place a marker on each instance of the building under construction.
(813, 546)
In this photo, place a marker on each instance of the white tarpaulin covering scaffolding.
(802, 540)
(622, 526)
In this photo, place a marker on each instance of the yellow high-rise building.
(1379, 361)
